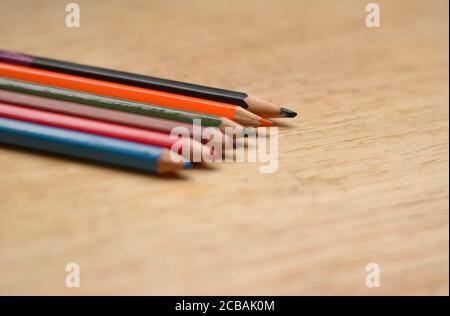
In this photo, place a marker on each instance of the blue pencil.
(91, 147)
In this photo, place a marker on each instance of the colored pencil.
(80, 124)
(113, 104)
(119, 117)
(121, 91)
(87, 146)
(246, 101)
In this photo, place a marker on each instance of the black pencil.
(249, 102)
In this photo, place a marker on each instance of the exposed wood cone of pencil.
(166, 164)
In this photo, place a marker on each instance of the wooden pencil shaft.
(172, 86)
(80, 145)
(86, 125)
(107, 102)
(251, 103)
(117, 90)
(101, 128)
(107, 115)
(66, 107)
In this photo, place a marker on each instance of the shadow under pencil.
(166, 176)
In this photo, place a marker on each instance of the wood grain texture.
(363, 172)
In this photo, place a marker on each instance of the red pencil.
(100, 128)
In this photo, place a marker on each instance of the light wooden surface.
(363, 172)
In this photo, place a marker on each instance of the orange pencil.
(121, 91)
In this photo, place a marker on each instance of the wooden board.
(362, 177)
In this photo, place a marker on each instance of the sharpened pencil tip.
(265, 122)
(287, 113)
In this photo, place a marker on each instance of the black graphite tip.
(287, 113)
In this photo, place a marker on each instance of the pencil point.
(265, 122)
(287, 113)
